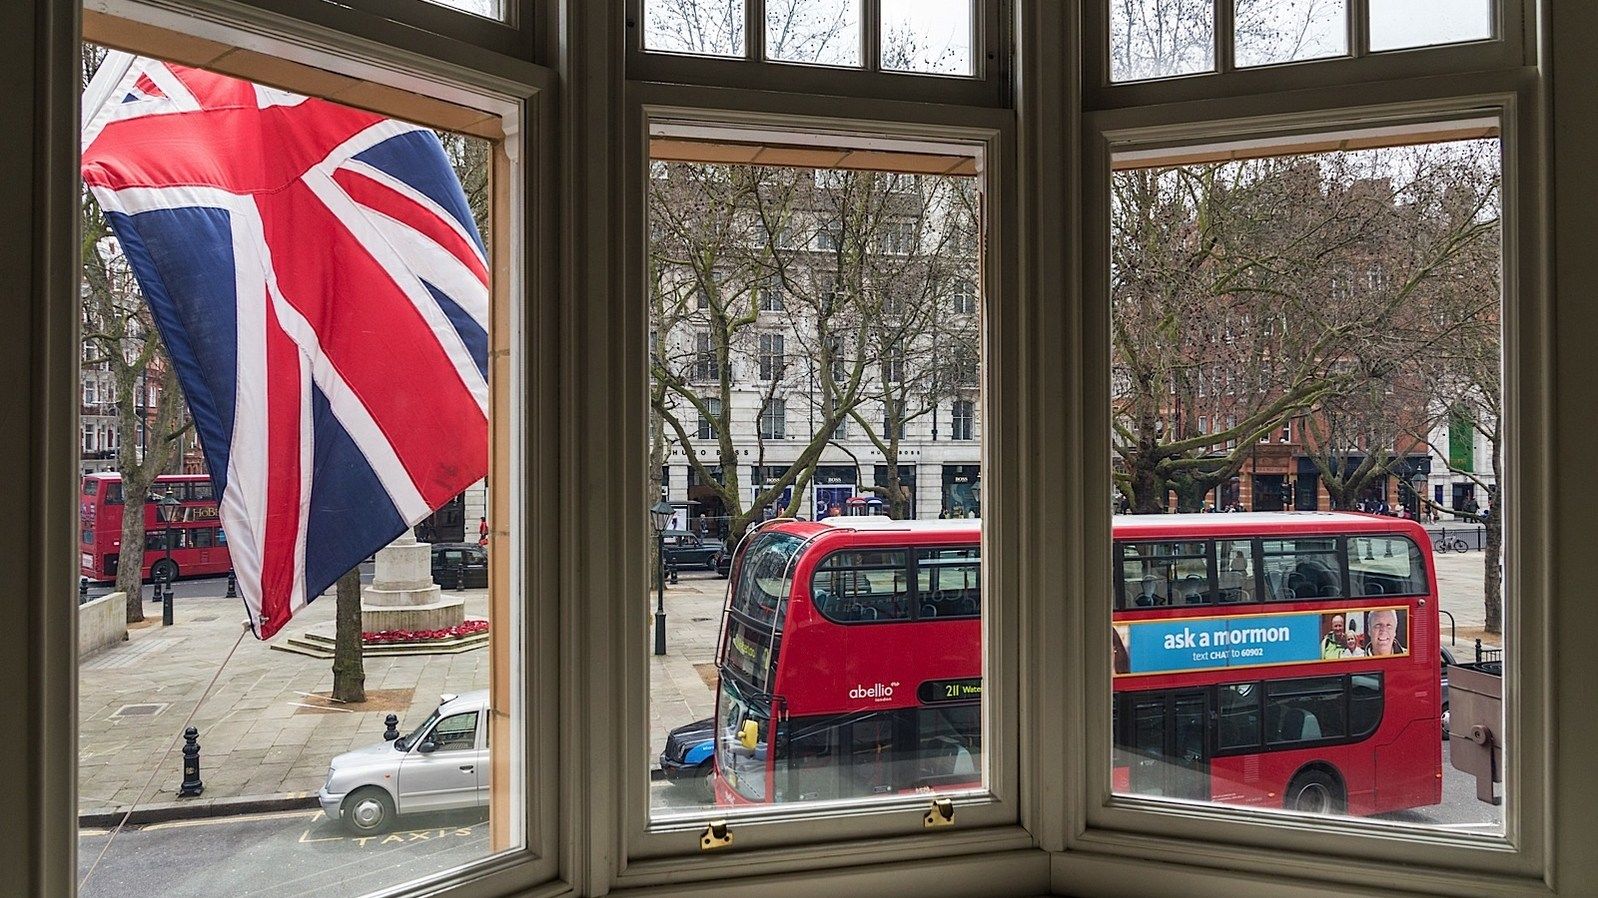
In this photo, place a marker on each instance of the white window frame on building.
(773, 421)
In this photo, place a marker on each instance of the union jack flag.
(322, 292)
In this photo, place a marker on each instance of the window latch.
(716, 835)
(940, 814)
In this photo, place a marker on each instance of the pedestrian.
(482, 531)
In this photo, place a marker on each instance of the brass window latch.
(716, 835)
(940, 814)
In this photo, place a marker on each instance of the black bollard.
(232, 584)
(460, 578)
(191, 764)
(391, 722)
(671, 570)
(83, 590)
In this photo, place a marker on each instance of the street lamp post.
(659, 517)
(167, 509)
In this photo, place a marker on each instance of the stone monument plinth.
(403, 596)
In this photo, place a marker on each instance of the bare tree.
(812, 283)
(1248, 293)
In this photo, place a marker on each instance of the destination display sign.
(1253, 640)
(932, 692)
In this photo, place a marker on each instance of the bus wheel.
(1315, 792)
(164, 571)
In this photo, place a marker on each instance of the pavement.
(265, 736)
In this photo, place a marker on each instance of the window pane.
(1396, 24)
(930, 36)
(1269, 31)
(825, 32)
(1235, 386)
(830, 334)
(700, 27)
(1301, 569)
(493, 9)
(1161, 38)
(1385, 566)
(394, 737)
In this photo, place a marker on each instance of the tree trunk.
(130, 557)
(1190, 493)
(349, 669)
(1149, 489)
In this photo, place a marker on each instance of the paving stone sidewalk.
(258, 738)
(261, 745)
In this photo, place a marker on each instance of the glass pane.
(373, 235)
(823, 582)
(493, 9)
(1300, 383)
(825, 32)
(1269, 31)
(1161, 38)
(700, 27)
(930, 36)
(1396, 24)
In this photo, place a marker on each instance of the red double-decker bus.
(850, 661)
(1277, 660)
(198, 544)
(1281, 660)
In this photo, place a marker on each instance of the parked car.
(449, 558)
(723, 563)
(441, 765)
(686, 761)
(685, 549)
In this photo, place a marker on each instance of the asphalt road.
(304, 854)
(298, 853)
(197, 588)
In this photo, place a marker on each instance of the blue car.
(686, 761)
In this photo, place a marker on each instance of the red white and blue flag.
(322, 292)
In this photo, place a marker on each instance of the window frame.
(1252, 843)
(324, 47)
(1511, 46)
(666, 849)
(988, 85)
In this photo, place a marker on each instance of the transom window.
(1154, 39)
(929, 37)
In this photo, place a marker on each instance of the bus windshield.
(743, 769)
(765, 575)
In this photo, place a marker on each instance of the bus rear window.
(1385, 566)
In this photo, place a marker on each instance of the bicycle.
(1445, 542)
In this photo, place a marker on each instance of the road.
(304, 854)
(298, 853)
(199, 587)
